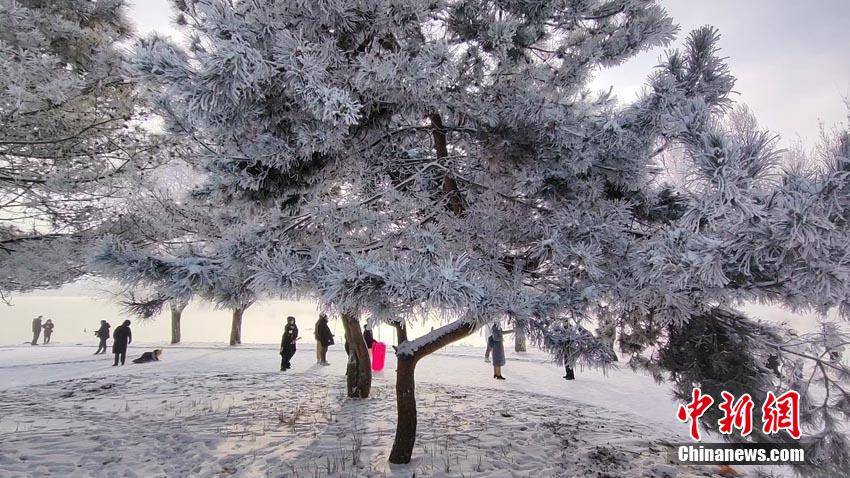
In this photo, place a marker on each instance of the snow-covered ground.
(211, 410)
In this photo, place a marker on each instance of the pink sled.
(379, 352)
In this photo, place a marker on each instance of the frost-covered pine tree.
(70, 135)
(172, 272)
(444, 160)
(744, 226)
(762, 229)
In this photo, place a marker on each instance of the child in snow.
(324, 339)
(287, 343)
(103, 334)
(149, 356)
(48, 330)
(121, 337)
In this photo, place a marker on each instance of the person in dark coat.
(121, 337)
(572, 342)
(287, 343)
(36, 330)
(48, 330)
(367, 336)
(149, 356)
(324, 338)
(103, 334)
(569, 370)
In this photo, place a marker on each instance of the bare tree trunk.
(405, 396)
(520, 343)
(405, 387)
(359, 369)
(400, 331)
(236, 326)
(405, 433)
(176, 315)
(449, 185)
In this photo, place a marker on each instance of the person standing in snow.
(36, 330)
(368, 337)
(103, 334)
(48, 330)
(120, 339)
(569, 369)
(497, 337)
(574, 343)
(287, 343)
(489, 348)
(324, 339)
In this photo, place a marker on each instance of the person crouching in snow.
(149, 357)
(287, 343)
(571, 344)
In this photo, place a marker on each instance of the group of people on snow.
(121, 338)
(324, 339)
(569, 345)
(38, 326)
(572, 343)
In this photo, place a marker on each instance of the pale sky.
(791, 57)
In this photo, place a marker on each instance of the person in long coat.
(121, 337)
(287, 343)
(498, 343)
(149, 356)
(48, 330)
(103, 334)
(324, 338)
(36, 330)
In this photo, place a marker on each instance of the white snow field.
(212, 410)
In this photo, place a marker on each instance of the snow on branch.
(435, 339)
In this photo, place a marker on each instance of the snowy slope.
(209, 410)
